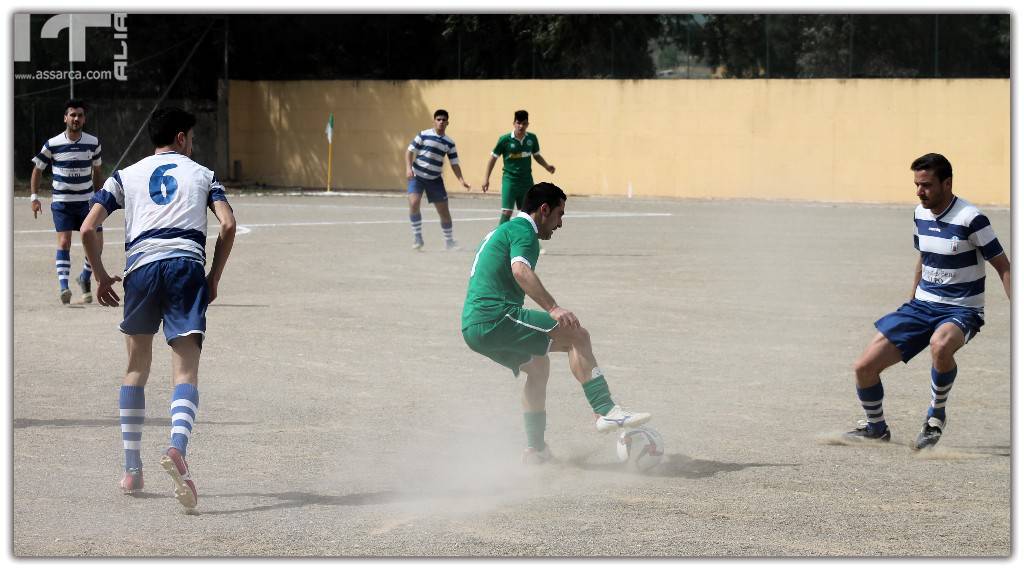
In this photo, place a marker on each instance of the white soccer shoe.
(533, 457)
(451, 245)
(617, 418)
(418, 244)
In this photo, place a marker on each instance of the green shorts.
(513, 193)
(514, 340)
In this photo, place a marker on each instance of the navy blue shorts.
(171, 290)
(68, 216)
(911, 327)
(434, 188)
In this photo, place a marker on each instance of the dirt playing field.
(342, 415)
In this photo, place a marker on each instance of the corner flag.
(330, 128)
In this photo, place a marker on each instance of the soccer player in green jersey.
(515, 149)
(497, 325)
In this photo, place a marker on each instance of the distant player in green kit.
(497, 325)
(516, 150)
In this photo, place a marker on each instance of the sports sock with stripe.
(184, 406)
(132, 405)
(942, 383)
(63, 267)
(871, 401)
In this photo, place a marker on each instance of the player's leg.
(877, 356)
(132, 408)
(947, 339)
(583, 365)
(415, 193)
(446, 224)
(508, 200)
(534, 409)
(184, 317)
(63, 264)
(185, 352)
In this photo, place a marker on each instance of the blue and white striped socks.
(871, 401)
(184, 406)
(417, 226)
(63, 267)
(86, 271)
(942, 383)
(447, 230)
(132, 404)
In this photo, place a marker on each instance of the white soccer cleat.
(451, 245)
(533, 457)
(417, 244)
(617, 418)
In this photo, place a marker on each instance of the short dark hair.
(74, 104)
(166, 122)
(543, 193)
(440, 112)
(936, 163)
(522, 116)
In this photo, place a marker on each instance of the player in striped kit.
(424, 161)
(165, 197)
(948, 305)
(75, 157)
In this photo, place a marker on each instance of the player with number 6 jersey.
(165, 197)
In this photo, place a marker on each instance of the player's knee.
(865, 366)
(942, 347)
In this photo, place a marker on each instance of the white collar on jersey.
(513, 135)
(532, 223)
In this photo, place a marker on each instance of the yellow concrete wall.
(829, 140)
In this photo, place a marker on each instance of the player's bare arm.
(34, 187)
(225, 240)
(917, 278)
(1001, 263)
(93, 250)
(487, 173)
(530, 283)
(97, 177)
(458, 174)
(408, 165)
(540, 160)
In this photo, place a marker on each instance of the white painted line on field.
(243, 229)
(487, 219)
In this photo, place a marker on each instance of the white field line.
(247, 228)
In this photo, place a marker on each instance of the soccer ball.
(641, 448)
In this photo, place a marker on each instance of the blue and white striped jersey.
(165, 197)
(430, 149)
(72, 163)
(954, 246)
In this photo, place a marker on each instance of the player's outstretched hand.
(36, 208)
(566, 319)
(466, 185)
(211, 286)
(105, 290)
(485, 186)
(551, 168)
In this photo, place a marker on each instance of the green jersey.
(493, 290)
(517, 156)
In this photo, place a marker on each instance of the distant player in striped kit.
(165, 197)
(75, 157)
(948, 305)
(424, 161)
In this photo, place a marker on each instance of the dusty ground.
(342, 415)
